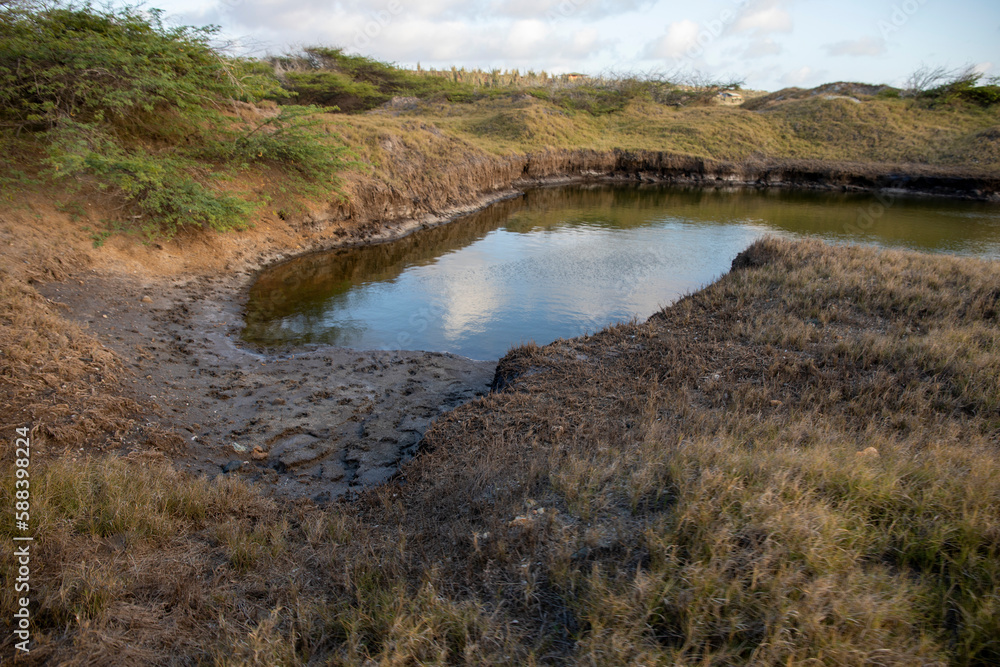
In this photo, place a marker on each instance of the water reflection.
(563, 262)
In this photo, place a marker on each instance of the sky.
(768, 44)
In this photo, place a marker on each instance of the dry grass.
(795, 465)
(713, 506)
(54, 376)
(873, 130)
(137, 565)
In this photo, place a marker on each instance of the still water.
(564, 262)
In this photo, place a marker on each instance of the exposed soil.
(319, 424)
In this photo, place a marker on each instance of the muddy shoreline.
(326, 423)
(320, 423)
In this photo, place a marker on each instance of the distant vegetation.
(943, 86)
(328, 76)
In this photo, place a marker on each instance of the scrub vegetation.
(795, 465)
(116, 103)
(169, 132)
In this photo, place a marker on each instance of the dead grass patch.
(54, 377)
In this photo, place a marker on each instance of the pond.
(563, 262)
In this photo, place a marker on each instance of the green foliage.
(123, 104)
(329, 77)
(334, 89)
(942, 87)
(594, 100)
(111, 67)
(291, 139)
(160, 192)
(968, 90)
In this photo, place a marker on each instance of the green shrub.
(291, 139)
(333, 89)
(965, 87)
(160, 191)
(594, 100)
(118, 102)
(329, 77)
(111, 67)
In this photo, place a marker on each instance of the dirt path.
(327, 422)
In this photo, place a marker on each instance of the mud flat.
(318, 423)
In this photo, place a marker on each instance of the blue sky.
(768, 43)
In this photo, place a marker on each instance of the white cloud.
(681, 37)
(865, 46)
(798, 77)
(553, 9)
(760, 48)
(587, 39)
(525, 38)
(528, 43)
(983, 68)
(433, 32)
(264, 13)
(508, 33)
(763, 18)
